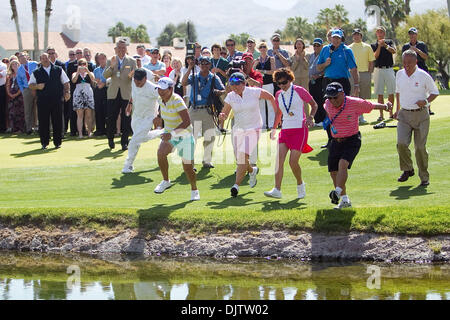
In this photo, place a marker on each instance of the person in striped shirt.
(343, 114)
(177, 135)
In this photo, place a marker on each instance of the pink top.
(297, 117)
(346, 124)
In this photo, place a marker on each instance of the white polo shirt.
(2, 73)
(145, 100)
(414, 88)
(246, 108)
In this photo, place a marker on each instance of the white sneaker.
(320, 124)
(252, 181)
(163, 186)
(195, 195)
(127, 169)
(343, 204)
(301, 191)
(274, 193)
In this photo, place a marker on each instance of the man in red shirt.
(343, 114)
(254, 78)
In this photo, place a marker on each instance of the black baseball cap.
(333, 89)
(140, 74)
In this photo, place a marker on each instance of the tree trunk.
(48, 12)
(445, 76)
(387, 9)
(35, 29)
(408, 7)
(16, 21)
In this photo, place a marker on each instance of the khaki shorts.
(384, 78)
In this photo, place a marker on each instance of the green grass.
(81, 184)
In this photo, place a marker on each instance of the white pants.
(266, 109)
(141, 127)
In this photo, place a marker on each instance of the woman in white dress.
(83, 97)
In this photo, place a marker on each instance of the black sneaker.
(234, 192)
(334, 197)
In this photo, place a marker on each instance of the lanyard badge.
(290, 113)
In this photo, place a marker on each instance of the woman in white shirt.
(247, 124)
(292, 103)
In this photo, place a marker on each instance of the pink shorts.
(294, 139)
(245, 141)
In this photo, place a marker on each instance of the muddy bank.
(267, 243)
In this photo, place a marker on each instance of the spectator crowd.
(93, 95)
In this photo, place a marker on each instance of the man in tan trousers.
(415, 91)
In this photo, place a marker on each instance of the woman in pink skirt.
(292, 101)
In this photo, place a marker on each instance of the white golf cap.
(165, 83)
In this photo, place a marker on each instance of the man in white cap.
(177, 135)
(143, 106)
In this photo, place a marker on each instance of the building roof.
(62, 44)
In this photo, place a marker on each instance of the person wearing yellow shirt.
(365, 61)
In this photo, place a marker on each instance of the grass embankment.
(81, 185)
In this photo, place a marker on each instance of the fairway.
(86, 174)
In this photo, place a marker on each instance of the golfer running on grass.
(247, 124)
(177, 135)
(343, 113)
(291, 101)
(143, 106)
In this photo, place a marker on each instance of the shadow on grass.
(271, 205)
(321, 157)
(332, 220)
(154, 217)
(33, 152)
(226, 182)
(405, 192)
(106, 153)
(239, 201)
(130, 179)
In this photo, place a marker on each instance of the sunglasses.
(249, 42)
(235, 81)
(79, 53)
(263, 47)
(230, 44)
(204, 64)
(333, 98)
(282, 83)
(317, 45)
(276, 40)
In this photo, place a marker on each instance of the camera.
(190, 49)
(236, 65)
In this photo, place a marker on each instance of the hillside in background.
(214, 20)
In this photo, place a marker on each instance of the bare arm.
(371, 66)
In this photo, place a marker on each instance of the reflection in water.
(44, 276)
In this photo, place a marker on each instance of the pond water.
(54, 276)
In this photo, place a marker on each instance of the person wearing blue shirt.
(337, 59)
(200, 102)
(23, 76)
(232, 52)
(156, 66)
(100, 96)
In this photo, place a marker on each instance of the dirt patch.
(266, 243)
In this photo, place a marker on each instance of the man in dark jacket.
(51, 84)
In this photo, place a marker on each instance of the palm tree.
(340, 15)
(48, 12)
(116, 31)
(16, 21)
(35, 28)
(298, 27)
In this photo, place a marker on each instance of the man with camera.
(204, 85)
